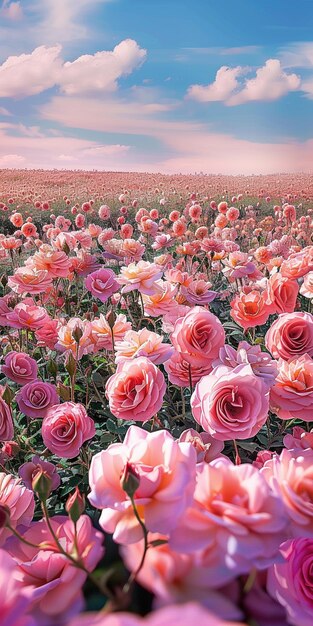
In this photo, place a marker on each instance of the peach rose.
(298, 264)
(165, 471)
(145, 343)
(136, 390)
(231, 404)
(250, 309)
(198, 336)
(141, 276)
(292, 394)
(291, 335)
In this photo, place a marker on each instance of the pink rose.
(181, 373)
(102, 284)
(52, 583)
(136, 390)
(165, 470)
(291, 335)
(283, 293)
(19, 367)
(236, 520)
(35, 398)
(198, 336)
(14, 604)
(299, 439)
(175, 615)
(65, 428)
(231, 404)
(292, 395)
(291, 582)
(261, 362)
(207, 448)
(290, 475)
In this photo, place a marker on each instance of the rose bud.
(75, 505)
(42, 485)
(130, 480)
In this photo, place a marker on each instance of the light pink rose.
(35, 398)
(141, 276)
(65, 428)
(19, 367)
(291, 582)
(236, 520)
(102, 284)
(166, 471)
(28, 315)
(231, 404)
(183, 615)
(19, 500)
(136, 390)
(290, 475)
(52, 583)
(13, 602)
(292, 395)
(300, 439)
(145, 343)
(198, 337)
(291, 335)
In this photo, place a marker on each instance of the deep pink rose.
(291, 335)
(102, 284)
(6, 420)
(136, 390)
(291, 582)
(231, 403)
(65, 428)
(198, 337)
(36, 398)
(20, 367)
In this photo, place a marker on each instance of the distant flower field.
(156, 399)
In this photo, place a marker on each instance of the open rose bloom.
(156, 394)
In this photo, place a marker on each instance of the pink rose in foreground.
(13, 603)
(52, 583)
(291, 335)
(166, 471)
(236, 520)
(19, 367)
(65, 428)
(136, 390)
(102, 284)
(35, 398)
(290, 475)
(183, 615)
(292, 395)
(231, 404)
(19, 500)
(291, 582)
(198, 336)
(29, 470)
(177, 578)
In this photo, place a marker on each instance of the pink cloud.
(225, 83)
(11, 10)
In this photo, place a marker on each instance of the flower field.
(156, 399)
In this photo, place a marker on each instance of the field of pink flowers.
(156, 400)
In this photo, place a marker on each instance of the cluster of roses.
(232, 539)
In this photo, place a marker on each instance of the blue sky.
(215, 86)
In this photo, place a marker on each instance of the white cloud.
(11, 10)
(225, 83)
(269, 83)
(63, 20)
(298, 55)
(12, 160)
(109, 149)
(30, 74)
(100, 71)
